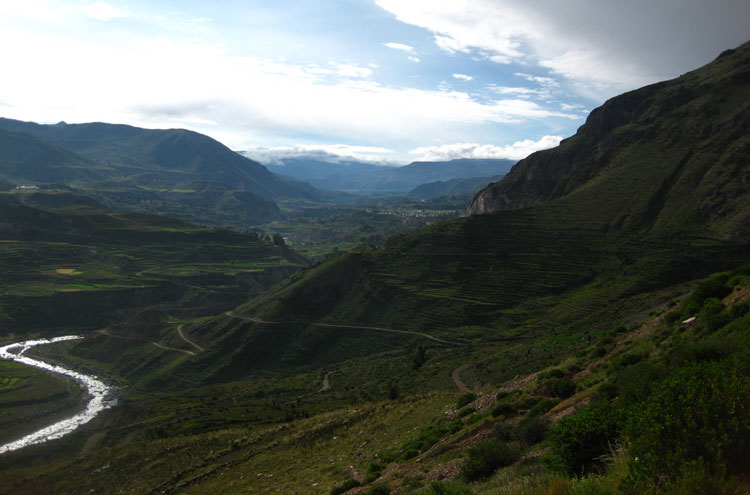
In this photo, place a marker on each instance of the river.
(100, 393)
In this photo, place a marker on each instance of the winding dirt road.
(342, 325)
(182, 336)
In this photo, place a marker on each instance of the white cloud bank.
(158, 82)
(515, 151)
(604, 48)
(333, 153)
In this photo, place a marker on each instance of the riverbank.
(100, 394)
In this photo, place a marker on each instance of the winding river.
(99, 392)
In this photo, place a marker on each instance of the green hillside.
(88, 268)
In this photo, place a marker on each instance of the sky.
(380, 80)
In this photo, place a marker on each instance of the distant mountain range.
(365, 178)
(98, 151)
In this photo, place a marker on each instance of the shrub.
(448, 488)
(345, 486)
(578, 441)
(381, 489)
(486, 457)
(562, 387)
(374, 470)
(502, 408)
(466, 412)
(532, 430)
(696, 424)
(542, 407)
(739, 309)
(466, 398)
(635, 383)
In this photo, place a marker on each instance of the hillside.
(642, 154)
(88, 268)
(433, 190)
(26, 158)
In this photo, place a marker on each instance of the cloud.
(515, 151)
(334, 153)
(349, 70)
(400, 46)
(603, 48)
(252, 99)
(103, 11)
(463, 77)
(405, 48)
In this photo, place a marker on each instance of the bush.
(381, 489)
(486, 457)
(542, 407)
(466, 412)
(345, 486)
(466, 398)
(696, 424)
(448, 488)
(502, 409)
(532, 430)
(578, 441)
(374, 470)
(562, 387)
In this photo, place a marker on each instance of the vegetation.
(602, 334)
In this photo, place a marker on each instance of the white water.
(99, 393)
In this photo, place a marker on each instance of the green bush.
(697, 421)
(345, 486)
(448, 488)
(486, 457)
(466, 412)
(502, 409)
(466, 398)
(374, 470)
(562, 387)
(381, 489)
(578, 441)
(542, 407)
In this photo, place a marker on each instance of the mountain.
(178, 155)
(433, 190)
(25, 158)
(365, 178)
(671, 157)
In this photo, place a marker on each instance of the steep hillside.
(670, 156)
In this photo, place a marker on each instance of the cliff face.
(693, 112)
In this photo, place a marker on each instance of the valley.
(579, 326)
